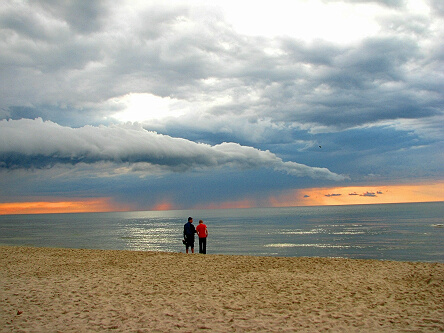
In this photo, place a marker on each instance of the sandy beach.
(71, 290)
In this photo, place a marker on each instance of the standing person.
(188, 234)
(202, 232)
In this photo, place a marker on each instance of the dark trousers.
(203, 245)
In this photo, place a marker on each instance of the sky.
(157, 105)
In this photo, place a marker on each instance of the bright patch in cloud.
(306, 20)
(139, 107)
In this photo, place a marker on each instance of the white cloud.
(304, 20)
(29, 143)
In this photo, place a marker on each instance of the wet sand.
(68, 290)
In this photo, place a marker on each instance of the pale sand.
(64, 290)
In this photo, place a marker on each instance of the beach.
(79, 290)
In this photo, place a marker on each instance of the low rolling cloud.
(37, 144)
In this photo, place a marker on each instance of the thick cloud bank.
(36, 143)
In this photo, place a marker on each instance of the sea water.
(402, 232)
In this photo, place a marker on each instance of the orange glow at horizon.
(164, 205)
(356, 195)
(335, 196)
(66, 206)
(352, 195)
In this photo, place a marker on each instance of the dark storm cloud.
(375, 105)
(168, 52)
(364, 84)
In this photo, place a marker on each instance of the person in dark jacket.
(188, 234)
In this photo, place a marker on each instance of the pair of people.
(188, 235)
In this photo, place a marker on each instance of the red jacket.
(201, 230)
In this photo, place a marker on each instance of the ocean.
(400, 232)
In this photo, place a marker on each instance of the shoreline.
(56, 289)
(216, 254)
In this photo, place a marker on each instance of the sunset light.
(356, 195)
(44, 207)
(353, 195)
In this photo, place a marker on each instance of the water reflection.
(332, 246)
(150, 235)
(399, 232)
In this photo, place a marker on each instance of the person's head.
(190, 219)
(200, 221)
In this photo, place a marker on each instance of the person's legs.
(190, 243)
(204, 245)
(201, 245)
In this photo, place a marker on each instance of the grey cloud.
(415, 25)
(42, 44)
(304, 84)
(29, 143)
(320, 53)
(25, 22)
(364, 84)
(147, 52)
(73, 117)
(333, 195)
(438, 6)
(83, 16)
(379, 59)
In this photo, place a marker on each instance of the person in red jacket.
(202, 232)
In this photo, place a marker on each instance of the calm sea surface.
(403, 232)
